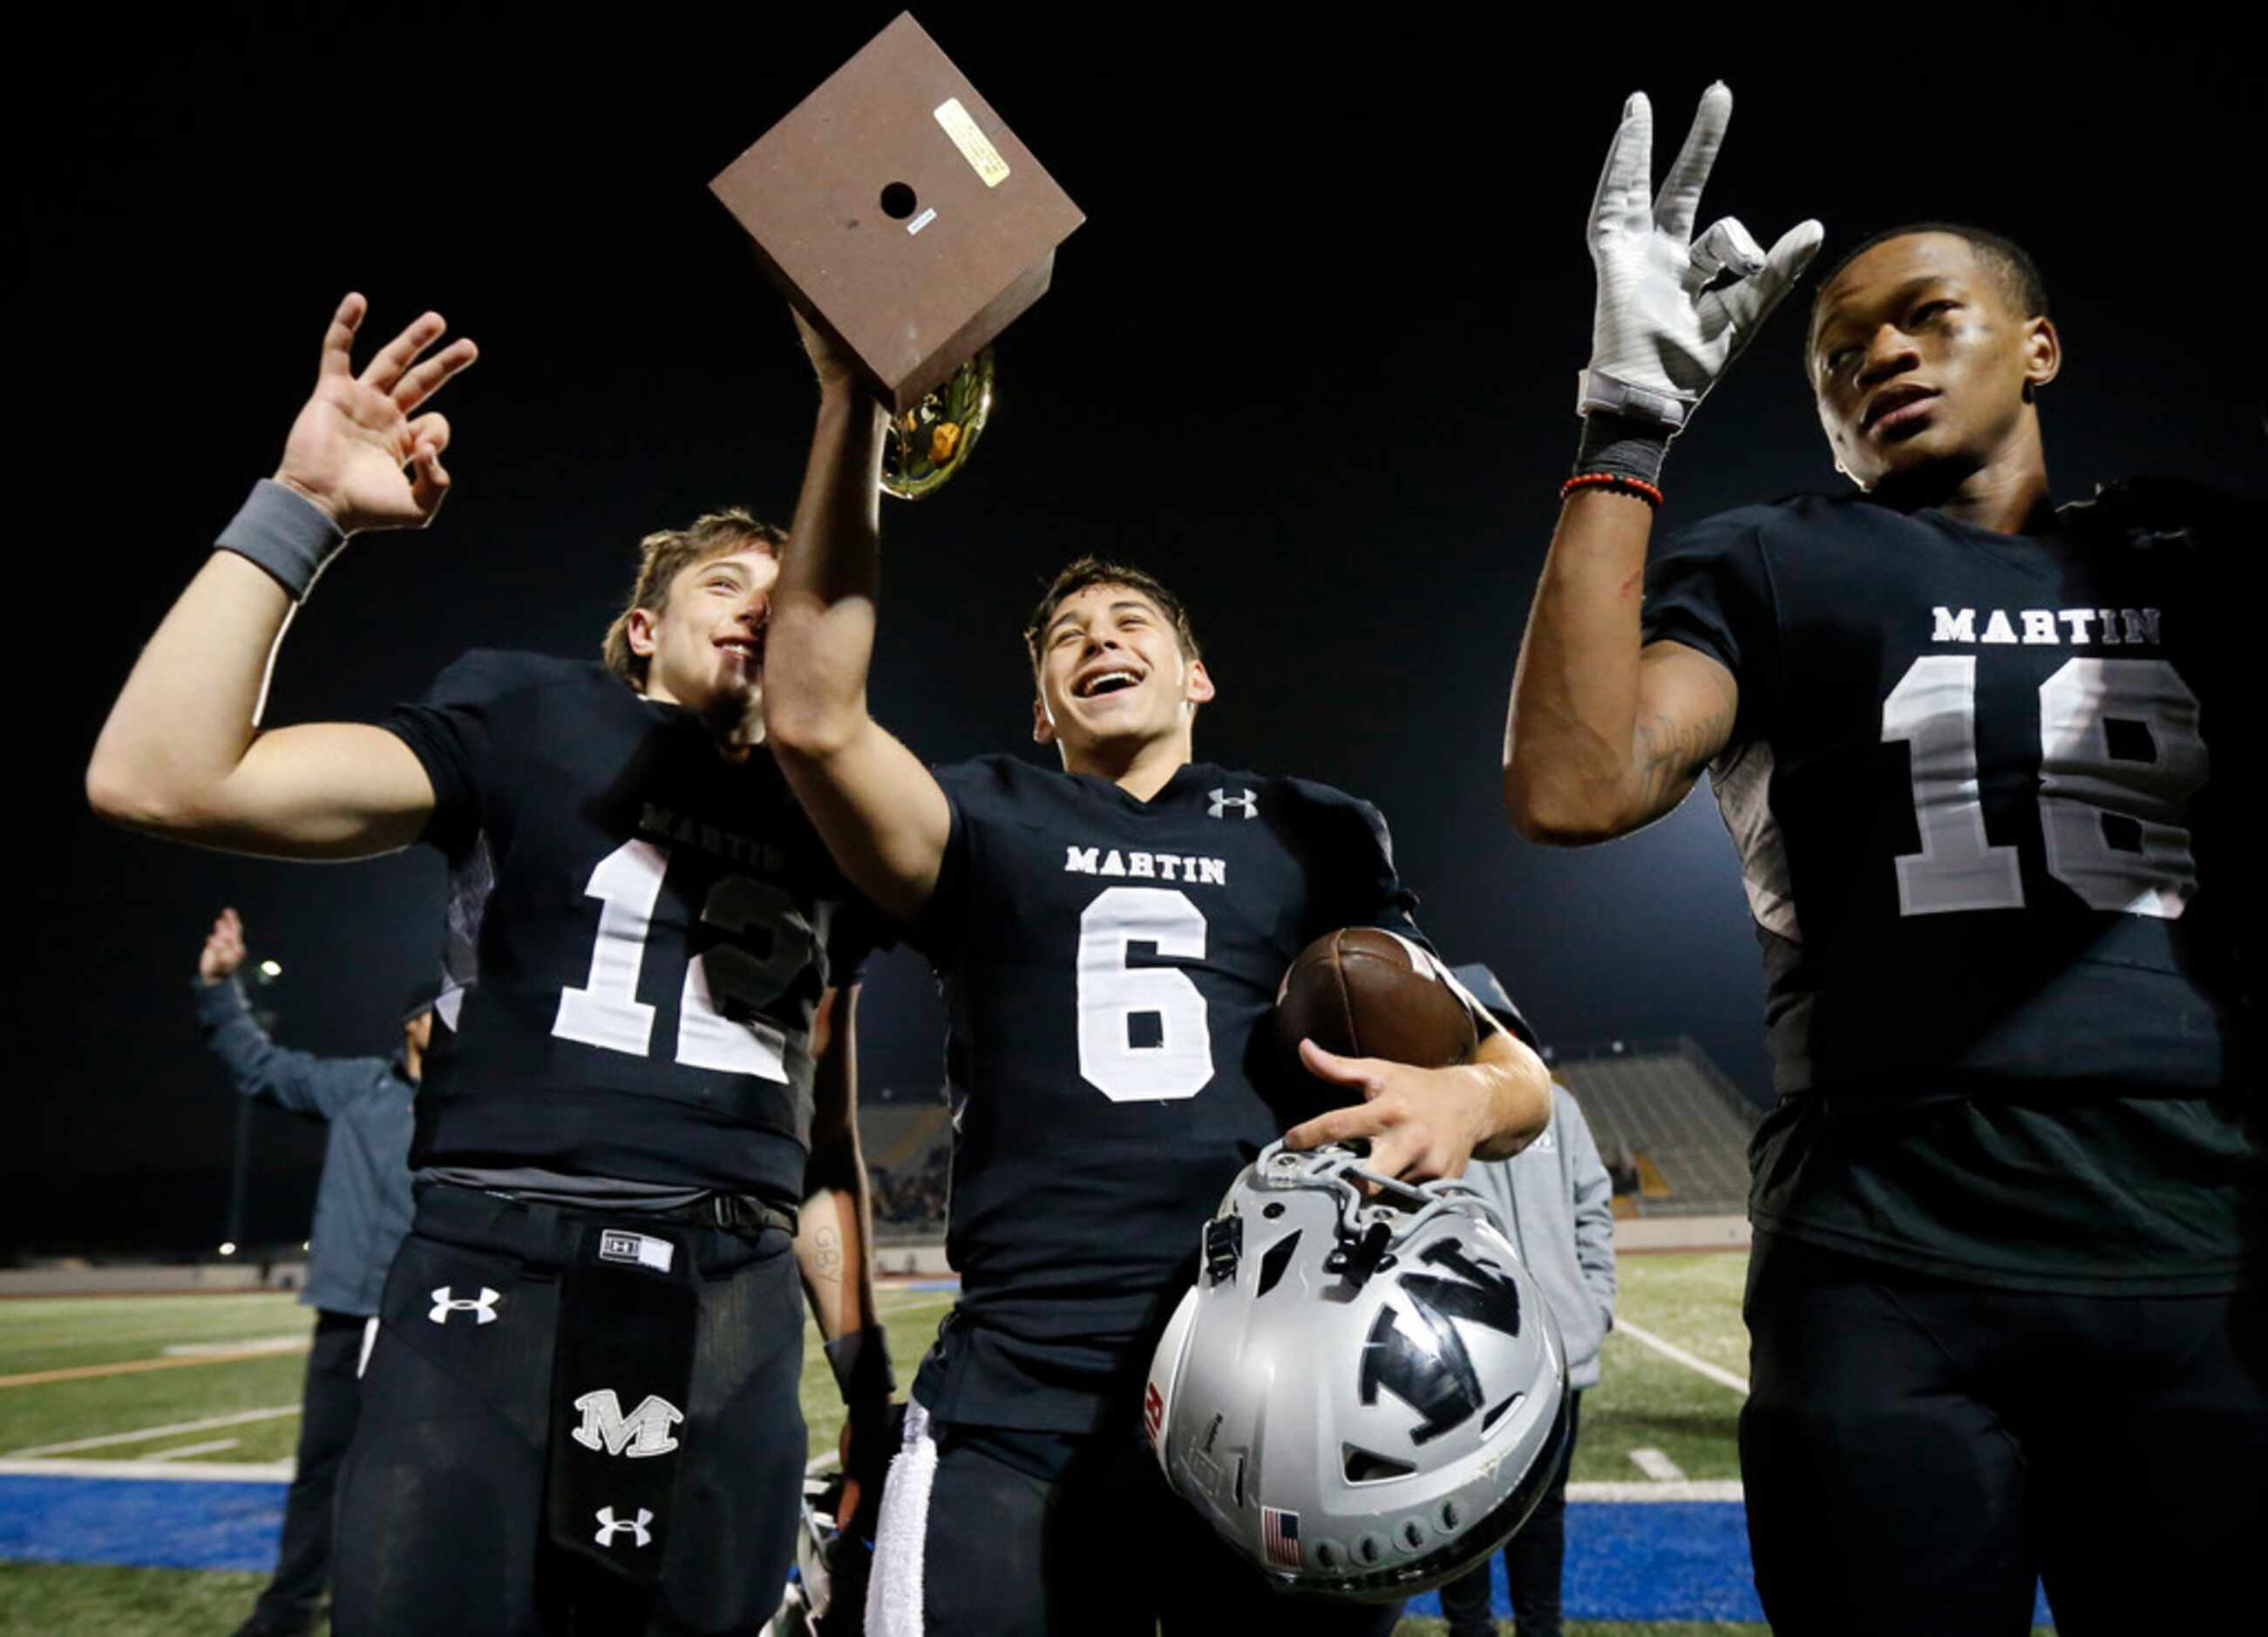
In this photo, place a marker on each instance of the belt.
(736, 1214)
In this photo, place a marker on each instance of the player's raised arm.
(182, 754)
(1607, 733)
(881, 813)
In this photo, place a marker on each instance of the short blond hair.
(665, 555)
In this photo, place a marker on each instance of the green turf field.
(1647, 1402)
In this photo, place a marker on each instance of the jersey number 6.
(1112, 995)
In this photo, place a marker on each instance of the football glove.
(1663, 331)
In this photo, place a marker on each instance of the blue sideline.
(1656, 1560)
(1653, 1560)
(147, 1523)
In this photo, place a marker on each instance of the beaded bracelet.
(1616, 480)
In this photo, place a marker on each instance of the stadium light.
(271, 970)
(306, 1245)
(228, 1247)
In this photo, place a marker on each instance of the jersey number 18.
(2088, 789)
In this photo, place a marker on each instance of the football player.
(1110, 938)
(581, 1412)
(2003, 1303)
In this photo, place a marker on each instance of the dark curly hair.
(1092, 571)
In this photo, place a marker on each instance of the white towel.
(893, 1595)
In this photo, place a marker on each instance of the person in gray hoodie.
(362, 1210)
(1558, 1202)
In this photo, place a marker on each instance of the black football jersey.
(1982, 789)
(1110, 968)
(639, 933)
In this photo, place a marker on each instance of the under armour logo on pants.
(641, 1536)
(482, 1307)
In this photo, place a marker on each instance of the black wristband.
(861, 1363)
(1622, 448)
(285, 532)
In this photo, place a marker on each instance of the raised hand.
(1660, 336)
(828, 360)
(356, 450)
(224, 950)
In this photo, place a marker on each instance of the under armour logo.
(1222, 801)
(640, 1535)
(482, 1307)
(644, 1431)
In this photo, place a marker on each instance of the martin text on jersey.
(1167, 867)
(2079, 628)
(747, 850)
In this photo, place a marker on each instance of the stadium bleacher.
(1668, 1123)
(907, 1139)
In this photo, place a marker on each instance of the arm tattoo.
(826, 1254)
(1670, 754)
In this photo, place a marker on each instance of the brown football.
(1363, 992)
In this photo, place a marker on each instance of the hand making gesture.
(1663, 332)
(356, 450)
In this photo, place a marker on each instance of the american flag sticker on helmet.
(1280, 1533)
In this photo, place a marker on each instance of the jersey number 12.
(606, 1011)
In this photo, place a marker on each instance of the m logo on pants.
(644, 1431)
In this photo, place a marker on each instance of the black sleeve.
(854, 934)
(1708, 587)
(937, 932)
(458, 731)
(1361, 887)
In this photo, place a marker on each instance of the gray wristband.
(861, 1363)
(1622, 447)
(285, 532)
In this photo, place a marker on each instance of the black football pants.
(1095, 1546)
(1534, 1561)
(327, 1410)
(1918, 1452)
(441, 1504)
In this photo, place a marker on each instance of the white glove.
(1659, 339)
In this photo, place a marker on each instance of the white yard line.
(261, 1344)
(1702, 1489)
(1671, 1350)
(195, 1471)
(184, 1451)
(1658, 1466)
(241, 1418)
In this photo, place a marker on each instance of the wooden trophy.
(903, 217)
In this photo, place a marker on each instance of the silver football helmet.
(1363, 1395)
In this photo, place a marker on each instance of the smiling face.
(704, 645)
(1923, 367)
(1113, 677)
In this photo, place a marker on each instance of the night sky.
(1311, 360)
